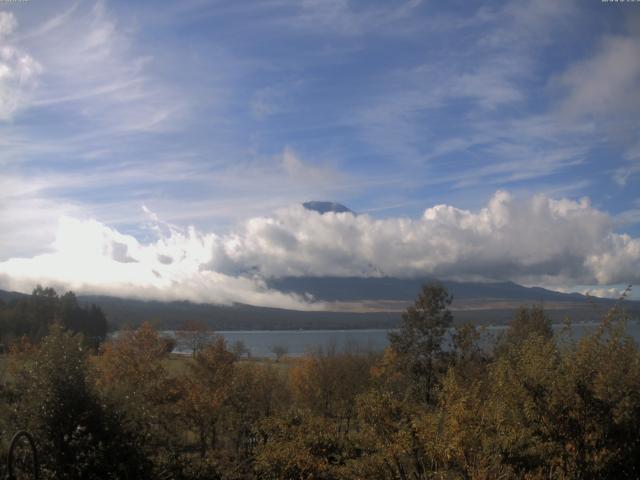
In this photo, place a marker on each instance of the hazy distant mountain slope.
(324, 207)
(386, 288)
(170, 315)
(8, 296)
(480, 303)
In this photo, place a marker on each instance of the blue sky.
(150, 117)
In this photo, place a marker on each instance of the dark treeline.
(534, 407)
(31, 316)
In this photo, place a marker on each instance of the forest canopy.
(32, 316)
(532, 405)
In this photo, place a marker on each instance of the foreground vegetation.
(535, 406)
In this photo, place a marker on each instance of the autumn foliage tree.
(131, 377)
(328, 382)
(206, 391)
(438, 403)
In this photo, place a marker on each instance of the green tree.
(469, 358)
(418, 341)
(280, 351)
(78, 437)
(89, 321)
(32, 316)
(526, 321)
(257, 392)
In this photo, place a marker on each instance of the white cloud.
(32, 199)
(90, 257)
(611, 292)
(266, 102)
(8, 23)
(620, 263)
(93, 69)
(603, 89)
(341, 17)
(537, 240)
(299, 170)
(18, 71)
(608, 82)
(28, 218)
(471, 98)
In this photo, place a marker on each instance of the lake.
(260, 343)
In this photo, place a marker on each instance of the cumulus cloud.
(611, 292)
(537, 239)
(18, 70)
(28, 218)
(90, 257)
(532, 240)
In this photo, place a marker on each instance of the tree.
(37, 312)
(388, 434)
(33, 315)
(89, 321)
(468, 356)
(328, 382)
(131, 378)
(526, 322)
(279, 351)
(240, 349)
(257, 392)
(194, 334)
(78, 436)
(298, 446)
(418, 341)
(206, 391)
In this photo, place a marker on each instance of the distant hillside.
(346, 289)
(8, 296)
(356, 303)
(170, 315)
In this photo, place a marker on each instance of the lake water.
(260, 343)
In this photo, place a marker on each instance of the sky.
(162, 149)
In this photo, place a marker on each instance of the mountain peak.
(325, 207)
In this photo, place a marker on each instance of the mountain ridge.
(391, 288)
(478, 303)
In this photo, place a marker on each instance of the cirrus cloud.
(18, 70)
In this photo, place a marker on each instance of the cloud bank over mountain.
(534, 240)
(388, 107)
